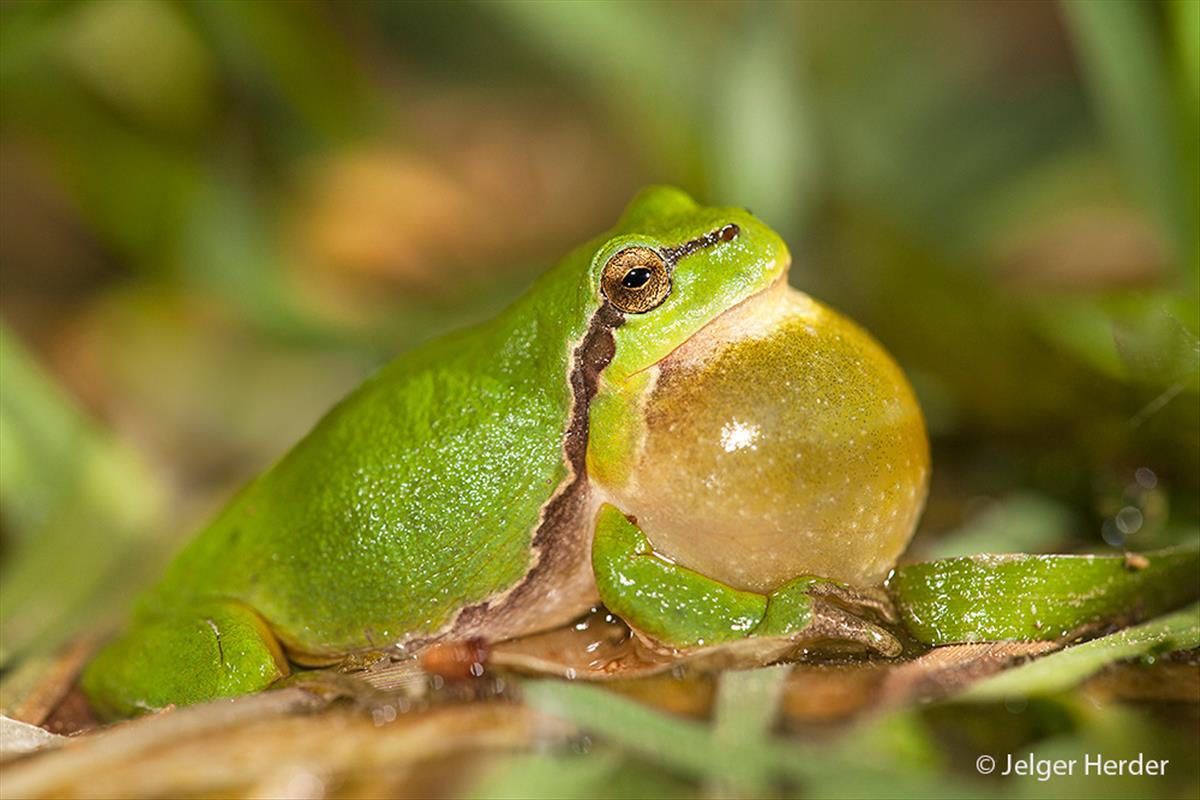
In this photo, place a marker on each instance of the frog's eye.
(636, 280)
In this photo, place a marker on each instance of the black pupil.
(635, 278)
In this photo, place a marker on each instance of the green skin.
(452, 495)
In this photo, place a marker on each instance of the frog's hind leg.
(202, 653)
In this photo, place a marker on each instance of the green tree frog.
(660, 423)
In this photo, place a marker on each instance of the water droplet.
(1145, 477)
(1015, 705)
(1129, 520)
(1111, 535)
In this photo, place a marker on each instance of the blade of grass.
(607, 47)
(680, 744)
(1184, 21)
(284, 52)
(75, 502)
(763, 148)
(865, 765)
(1066, 668)
(747, 705)
(595, 773)
(1122, 65)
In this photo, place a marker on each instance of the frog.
(660, 424)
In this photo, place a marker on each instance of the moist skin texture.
(780, 440)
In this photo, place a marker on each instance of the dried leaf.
(263, 743)
(18, 738)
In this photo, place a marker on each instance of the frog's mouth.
(756, 316)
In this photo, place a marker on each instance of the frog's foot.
(675, 608)
(203, 653)
(811, 609)
(860, 602)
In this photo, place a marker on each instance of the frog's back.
(415, 497)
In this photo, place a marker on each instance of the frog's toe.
(861, 602)
(833, 623)
(811, 609)
(218, 650)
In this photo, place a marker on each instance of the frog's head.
(673, 267)
(755, 434)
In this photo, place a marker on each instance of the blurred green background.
(217, 217)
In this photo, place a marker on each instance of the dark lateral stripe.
(591, 356)
(725, 233)
(593, 353)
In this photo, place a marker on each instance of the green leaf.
(1027, 598)
(1062, 670)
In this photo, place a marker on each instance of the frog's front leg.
(219, 649)
(682, 609)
